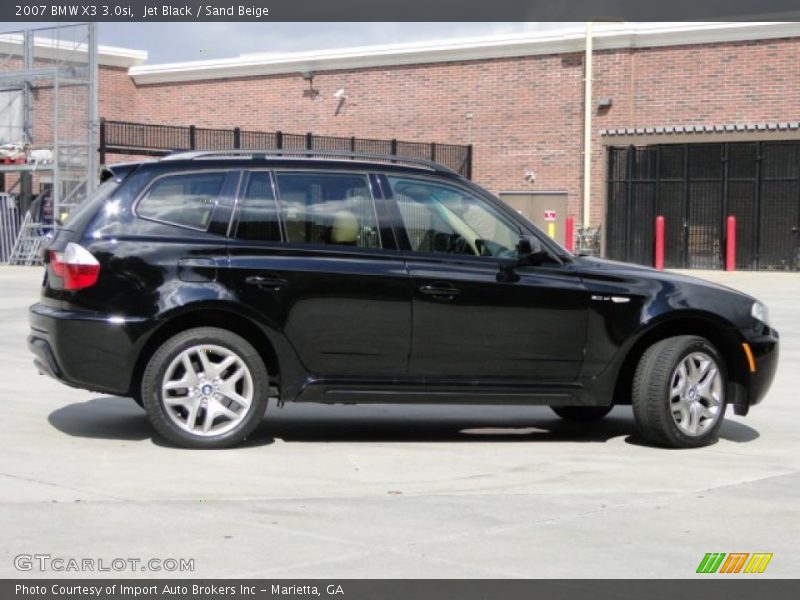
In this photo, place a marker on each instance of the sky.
(176, 42)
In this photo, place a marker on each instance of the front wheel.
(679, 392)
(205, 388)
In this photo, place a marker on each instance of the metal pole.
(27, 91)
(587, 128)
(730, 243)
(92, 165)
(755, 262)
(659, 257)
(26, 178)
(102, 149)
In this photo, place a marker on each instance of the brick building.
(712, 109)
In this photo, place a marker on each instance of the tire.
(581, 414)
(205, 388)
(678, 400)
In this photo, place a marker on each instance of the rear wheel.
(679, 392)
(582, 414)
(205, 388)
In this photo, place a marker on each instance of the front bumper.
(764, 346)
(84, 350)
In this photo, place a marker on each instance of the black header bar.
(397, 10)
(705, 588)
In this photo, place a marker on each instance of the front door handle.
(440, 291)
(271, 281)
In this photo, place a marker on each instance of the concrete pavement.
(376, 491)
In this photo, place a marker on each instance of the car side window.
(328, 208)
(446, 219)
(186, 199)
(258, 215)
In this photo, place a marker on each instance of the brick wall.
(519, 113)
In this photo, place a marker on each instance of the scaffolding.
(48, 132)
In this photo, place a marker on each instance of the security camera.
(307, 75)
(339, 93)
(530, 176)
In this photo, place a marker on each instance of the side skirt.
(397, 392)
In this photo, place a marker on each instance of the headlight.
(760, 312)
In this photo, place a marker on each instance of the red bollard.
(730, 244)
(569, 234)
(659, 243)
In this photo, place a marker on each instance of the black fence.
(696, 187)
(145, 139)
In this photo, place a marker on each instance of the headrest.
(345, 228)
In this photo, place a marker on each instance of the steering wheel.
(458, 245)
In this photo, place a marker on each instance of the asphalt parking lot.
(346, 492)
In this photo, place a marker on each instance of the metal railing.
(10, 221)
(147, 139)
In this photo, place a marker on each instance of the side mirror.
(530, 250)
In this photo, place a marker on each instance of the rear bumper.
(84, 350)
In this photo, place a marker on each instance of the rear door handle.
(440, 291)
(272, 281)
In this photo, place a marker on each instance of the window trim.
(408, 251)
(233, 226)
(365, 174)
(524, 225)
(226, 173)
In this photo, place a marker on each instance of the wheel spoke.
(191, 374)
(231, 414)
(704, 387)
(704, 368)
(691, 369)
(680, 385)
(177, 384)
(220, 367)
(693, 419)
(208, 419)
(178, 400)
(239, 399)
(235, 376)
(191, 418)
(208, 368)
(705, 411)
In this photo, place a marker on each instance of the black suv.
(204, 283)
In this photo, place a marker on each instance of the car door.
(475, 318)
(306, 252)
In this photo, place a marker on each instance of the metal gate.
(695, 187)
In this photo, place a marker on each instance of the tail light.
(76, 266)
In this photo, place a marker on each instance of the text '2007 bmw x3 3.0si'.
(204, 283)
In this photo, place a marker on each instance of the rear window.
(90, 203)
(187, 199)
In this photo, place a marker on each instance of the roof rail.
(292, 153)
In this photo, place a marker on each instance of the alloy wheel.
(207, 390)
(696, 394)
